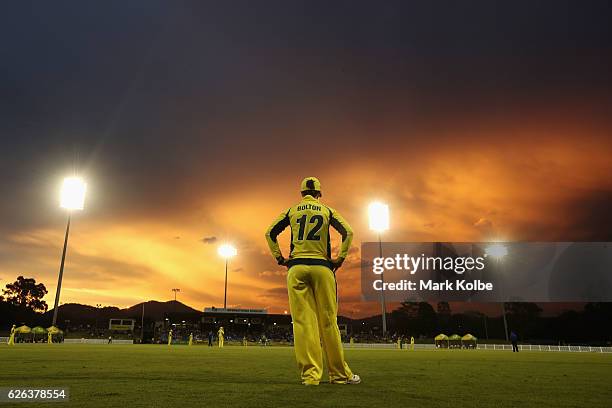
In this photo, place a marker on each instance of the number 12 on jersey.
(313, 233)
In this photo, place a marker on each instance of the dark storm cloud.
(154, 100)
(185, 109)
(591, 217)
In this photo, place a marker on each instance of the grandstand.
(250, 323)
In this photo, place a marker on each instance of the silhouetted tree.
(523, 316)
(444, 308)
(26, 293)
(415, 318)
(427, 318)
(410, 309)
(444, 315)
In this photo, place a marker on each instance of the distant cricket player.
(514, 340)
(11, 341)
(170, 337)
(221, 333)
(49, 338)
(311, 283)
(190, 339)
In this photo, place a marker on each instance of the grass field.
(180, 376)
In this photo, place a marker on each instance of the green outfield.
(180, 376)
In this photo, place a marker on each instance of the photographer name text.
(433, 286)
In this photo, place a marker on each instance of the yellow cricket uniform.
(11, 340)
(311, 286)
(221, 333)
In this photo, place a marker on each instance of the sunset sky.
(194, 124)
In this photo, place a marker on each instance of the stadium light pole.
(142, 324)
(98, 307)
(484, 316)
(498, 252)
(226, 251)
(175, 290)
(72, 197)
(378, 214)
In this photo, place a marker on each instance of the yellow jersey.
(309, 221)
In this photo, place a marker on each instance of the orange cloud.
(515, 189)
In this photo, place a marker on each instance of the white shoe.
(355, 379)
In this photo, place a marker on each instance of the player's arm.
(272, 234)
(339, 224)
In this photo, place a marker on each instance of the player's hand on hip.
(337, 263)
(282, 261)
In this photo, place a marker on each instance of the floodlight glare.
(497, 251)
(379, 216)
(72, 195)
(379, 221)
(227, 251)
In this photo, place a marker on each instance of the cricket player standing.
(11, 341)
(221, 334)
(311, 283)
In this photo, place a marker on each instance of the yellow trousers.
(314, 308)
(221, 339)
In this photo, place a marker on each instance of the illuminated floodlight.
(497, 251)
(379, 222)
(227, 251)
(72, 196)
(379, 216)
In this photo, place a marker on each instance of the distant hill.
(76, 312)
(154, 311)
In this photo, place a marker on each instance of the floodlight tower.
(72, 197)
(498, 252)
(175, 290)
(226, 251)
(379, 222)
